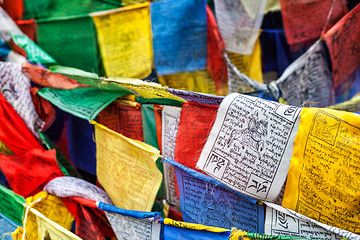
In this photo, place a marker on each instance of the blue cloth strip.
(129, 213)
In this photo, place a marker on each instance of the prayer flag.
(13, 131)
(179, 35)
(322, 182)
(239, 23)
(77, 48)
(126, 169)
(343, 42)
(305, 21)
(250, 145)
(196, 121)
(85, 103)
(27, 173)
(124, 37)
(204, 200)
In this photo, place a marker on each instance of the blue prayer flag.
(179, 35)
(206, 201)
(82, 148)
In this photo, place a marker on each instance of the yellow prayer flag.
(126, 169)
(323, 181)
(199, 81)
(125, 43)
(50, 230)
(51, 207)
(46, 229)
(250, 65)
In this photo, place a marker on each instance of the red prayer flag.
(196, 121)
(14, 47)
(130, 122)
(343, 42)
(304, 21)
(29, 172)
(13, 131)
(109, 117)
(216, 63)
(124, 119)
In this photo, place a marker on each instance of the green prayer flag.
(84, 103)
(150, 137)
(34, 52)
(71, 41)
(149, 125)
(11, 205)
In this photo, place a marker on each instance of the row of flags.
(223, 161)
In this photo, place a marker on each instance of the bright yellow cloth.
(323, 181)
(126, 169)
(125, 43)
